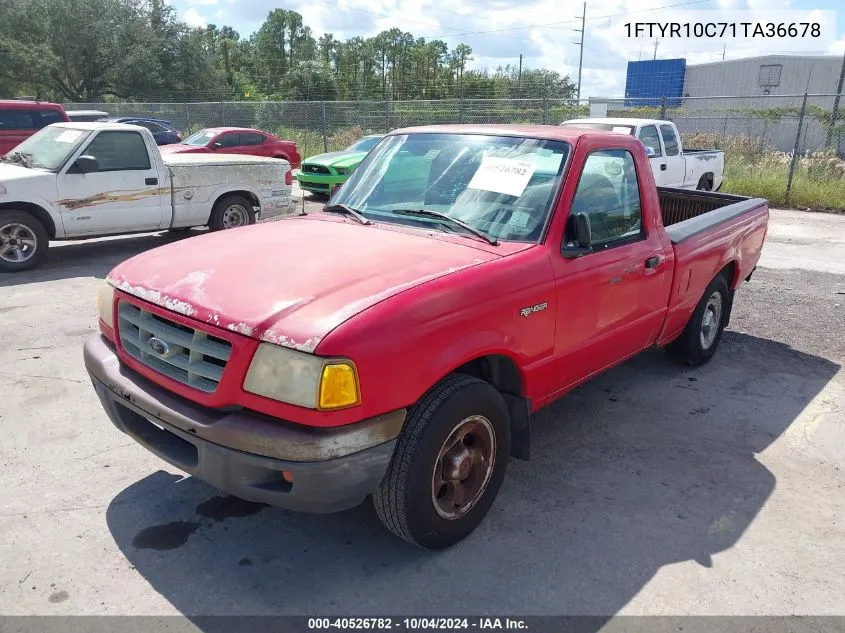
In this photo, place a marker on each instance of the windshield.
(607, 127)
(50, 147)
(501, 186)
(363, 145)
(200, 139)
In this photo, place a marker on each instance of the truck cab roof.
(544, 132)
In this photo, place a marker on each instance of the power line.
(551, 24)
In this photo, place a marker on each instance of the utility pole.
(581, 44)
(656, 42)
(724, 48)
(519, 79)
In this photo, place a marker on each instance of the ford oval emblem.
(158, 346)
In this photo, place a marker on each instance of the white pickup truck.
(672, 165)
(81, 180)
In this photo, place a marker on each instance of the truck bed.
(707, 231)
(687, 213)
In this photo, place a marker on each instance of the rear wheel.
(448, 465)
(231, 212)
(701, 337)
(705, 183)
(23, 241)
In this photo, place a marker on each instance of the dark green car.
(321, 173)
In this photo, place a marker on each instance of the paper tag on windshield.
(68, 136)
(502, 175)
(621, 130)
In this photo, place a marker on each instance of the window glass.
(608, 192)
(231, 139)
(199, 139)
(119, 151)
(364, 144)
(18, 120)
(155, 128)
(251, 139)
(499, 185)
(51, 147)
(48, 117)
(649, 138)
(669, 140)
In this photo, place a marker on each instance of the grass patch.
(753, 169)
(769, 181)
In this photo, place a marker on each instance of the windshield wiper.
(450, 220)
(342, 208)
(25, 160)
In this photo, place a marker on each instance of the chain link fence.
(789, 149)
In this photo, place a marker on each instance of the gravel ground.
(653, 489)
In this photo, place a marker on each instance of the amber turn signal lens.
(338, 387)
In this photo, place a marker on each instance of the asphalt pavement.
(653, 489)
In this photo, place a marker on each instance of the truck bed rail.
(677, 205)
(686, 213)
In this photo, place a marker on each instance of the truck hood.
(337, 159)
(11, 171)
(18, 182)
(292, 282)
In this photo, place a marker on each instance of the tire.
(23, 241)
(698, 342)
(705, 183)
(406, 500)
(221, 214)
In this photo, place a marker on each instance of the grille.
(315, 169)
(182, 353)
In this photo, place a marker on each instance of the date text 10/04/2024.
(723, 29)
(418, 624)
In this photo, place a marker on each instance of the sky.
(543, 31)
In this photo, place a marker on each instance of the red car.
(21, 119)
(237, 140)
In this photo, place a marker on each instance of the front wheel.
(448, 465)
(699, 340)
(231, 212)
(23, 241)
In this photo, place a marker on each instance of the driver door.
(123, 195)
(612, 300)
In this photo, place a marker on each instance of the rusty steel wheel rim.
(463, 468)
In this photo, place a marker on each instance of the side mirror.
(649, 151)
(216, 145)
(86, 164)
(578, 236)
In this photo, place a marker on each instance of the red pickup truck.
(398, 341)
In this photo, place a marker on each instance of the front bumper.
(319, 183)
(242, 452)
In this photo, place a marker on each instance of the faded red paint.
(409, 306)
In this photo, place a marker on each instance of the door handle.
(652, 262)
(662, 166)
(151, 181)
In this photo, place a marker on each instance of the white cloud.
(194, 19)
(838, 47)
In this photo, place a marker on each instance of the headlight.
(105, 303)
(302, 379)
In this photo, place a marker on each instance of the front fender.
(27, 202)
